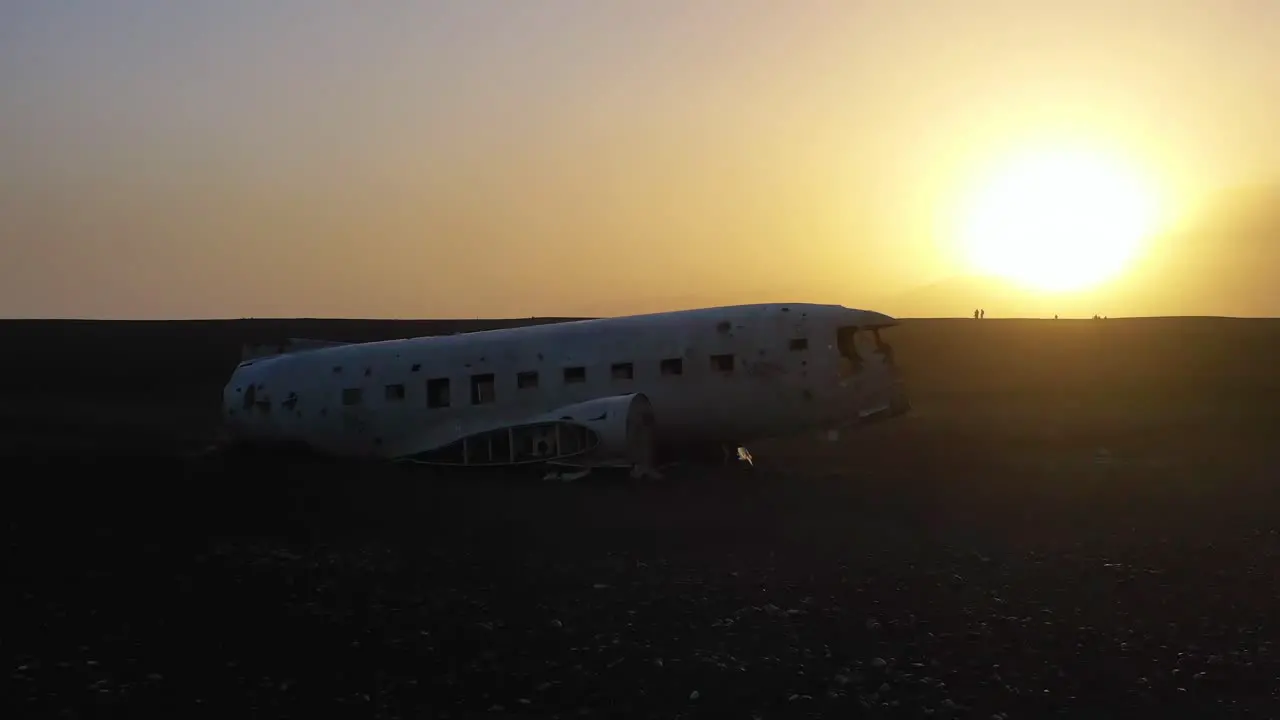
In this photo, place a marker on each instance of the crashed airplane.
(612, 392)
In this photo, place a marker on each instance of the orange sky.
(569, 157)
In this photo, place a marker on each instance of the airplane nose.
(240, 398)
(900, 401)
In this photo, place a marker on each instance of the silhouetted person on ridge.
(975, 314)
(983, 316)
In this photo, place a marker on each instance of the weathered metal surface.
(710, 375)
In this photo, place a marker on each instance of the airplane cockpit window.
(672, 366)
(394, 392)
(622, 371)
(882, 347)
(722, 363)
(846, 343)
(351, 396)
(575, 374)
(527, 380)
(799, 344)
(438, 393)
(482, 391)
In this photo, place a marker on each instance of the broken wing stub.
(624, 429)
(615, 431)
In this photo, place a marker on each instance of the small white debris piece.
(872, 411)
(695, 695)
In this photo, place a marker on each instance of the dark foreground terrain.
(1078, 520)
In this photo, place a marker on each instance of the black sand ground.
(1079, 520)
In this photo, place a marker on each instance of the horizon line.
(301, 318)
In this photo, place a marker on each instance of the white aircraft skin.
(610, 391)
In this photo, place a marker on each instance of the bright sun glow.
(1059, 221)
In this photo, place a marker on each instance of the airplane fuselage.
(714, 375)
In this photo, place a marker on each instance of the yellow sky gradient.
(485, 158)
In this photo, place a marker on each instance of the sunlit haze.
(578, 157)
(1059, 220)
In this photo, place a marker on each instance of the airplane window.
(395, 392)
(846, 343)
(882, 347)
(482, 389)
(438, 393)
(722, 363)
(800, 343)
(351, 396)
(527, 380)
(672, 366)
(249, 397)
(622, 371)
(575, 374)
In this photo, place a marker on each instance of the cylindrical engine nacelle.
(622, 426)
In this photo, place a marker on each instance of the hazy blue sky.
(310, 157)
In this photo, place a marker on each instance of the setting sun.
(1058, 220)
